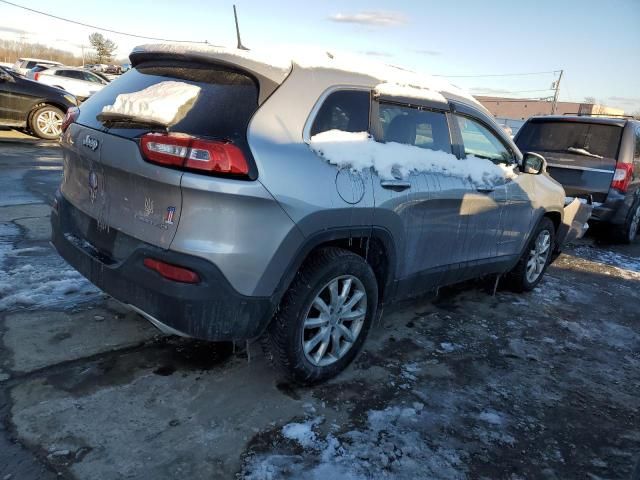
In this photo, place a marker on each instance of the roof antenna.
(240, 46)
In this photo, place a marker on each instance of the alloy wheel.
(635, 223)
(49, 122)
(334, 320)
(538, 256)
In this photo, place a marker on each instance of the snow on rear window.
(165, 102)
(360, 151)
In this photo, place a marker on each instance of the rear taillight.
(70, 117)
(172, 272)
(622, 176)
(36, 75)
(184, 151)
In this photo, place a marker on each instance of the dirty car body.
(138, 229)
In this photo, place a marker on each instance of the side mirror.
(534, 163)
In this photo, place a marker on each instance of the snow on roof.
(358, 151)
(409, 91)
(276, 63)
(164, 102)
(39, 60)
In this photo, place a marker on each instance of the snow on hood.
(359, 151)
(409, 91)
(165, 102)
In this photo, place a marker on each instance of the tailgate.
(581, 175)
(106, 178)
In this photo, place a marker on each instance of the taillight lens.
(184, 151)
(36, 75)
(70, 117)
(622, 176)
(172, 272)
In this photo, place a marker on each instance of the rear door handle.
(485, 190)
(396, 185)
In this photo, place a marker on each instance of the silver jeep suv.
(226, 223)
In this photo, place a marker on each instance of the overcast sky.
(595, 42)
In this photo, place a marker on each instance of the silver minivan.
(232, 221)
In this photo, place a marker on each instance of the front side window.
(420, 128)
(480, 142)
(346, 110)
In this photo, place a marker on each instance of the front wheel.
(324, 317)
(46, 122)
(535, 259)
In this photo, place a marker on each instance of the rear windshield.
(601, 140)
(224, 106)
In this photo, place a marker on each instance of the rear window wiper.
(583, 151)
(110, 119)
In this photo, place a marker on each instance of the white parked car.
(79, 82)
(23, 65)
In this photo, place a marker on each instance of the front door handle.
(396, 185)
(485, 190)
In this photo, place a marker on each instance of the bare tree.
(104, 48)
(11, 50)
(591, 100)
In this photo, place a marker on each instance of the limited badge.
(168, 218)
(93, 185)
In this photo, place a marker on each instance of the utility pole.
(240, 46)
(555, 96)
(82, 47)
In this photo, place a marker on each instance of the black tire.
(286, 333)
(41, 130)
(517, 279)
(628, 231)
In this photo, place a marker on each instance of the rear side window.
(636, 154)
(346, 110)
(596, 139)
(420, 128)
(481, 142)
(227, 99)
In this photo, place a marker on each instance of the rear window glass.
(601, 140)
(346, 110)
(226, 102)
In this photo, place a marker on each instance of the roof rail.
(582, 114)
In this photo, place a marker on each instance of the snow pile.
(36, 277)
(359, 151)
(392, 445)
(300, 432)
(409, 91)
(166, 102)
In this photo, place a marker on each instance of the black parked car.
(32, 105)
(593, 156)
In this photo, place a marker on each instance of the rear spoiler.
(268, 75)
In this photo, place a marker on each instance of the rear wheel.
(535, 259)
(628, 231)
(324, 317)
(46, 122)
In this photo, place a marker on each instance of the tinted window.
(481, 142)
(602, 140)
(421, 128)
(222, 110)
(636, 154)
(30, 65)
(346, 110)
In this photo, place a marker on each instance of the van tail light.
(172, 272)
(622, 176)
(36, 76)
(70, 117)
(186, 152)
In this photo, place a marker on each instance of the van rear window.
(597, 139)
(228, 99)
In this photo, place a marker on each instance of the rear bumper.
(615, 209)
(209, 310)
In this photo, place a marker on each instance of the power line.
(494, 74)
(95, 27)
(480, 91)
